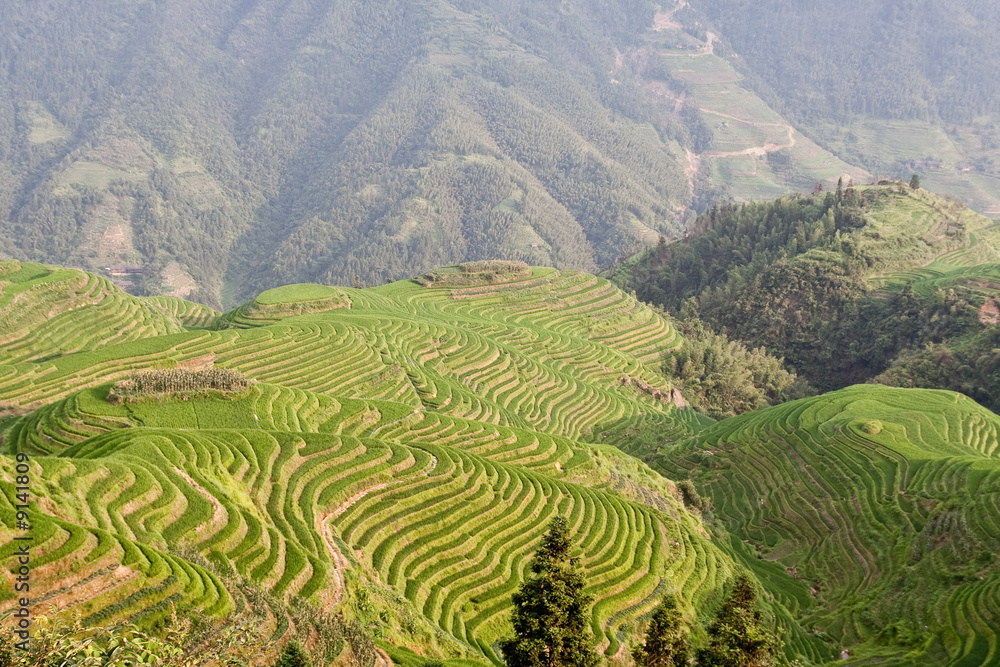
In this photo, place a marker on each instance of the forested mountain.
(913, 59)
(228, 147)
(267, 142)
(894, 87)
(878, 282)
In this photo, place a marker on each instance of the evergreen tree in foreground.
(293, 656)
(737, 637)
(550, 609)
(666, 639)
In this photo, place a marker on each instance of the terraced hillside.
(357, 469)
(881, 503)
(399, 451)
(48, 311)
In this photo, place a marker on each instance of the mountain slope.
(326, 140)
(231, 147)
(882, 501)
(355, 469)
(841, 285)
(380, 426)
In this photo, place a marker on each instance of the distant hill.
(843, 285)
(894, 87)
(281, 142)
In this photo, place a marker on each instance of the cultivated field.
(404, 444)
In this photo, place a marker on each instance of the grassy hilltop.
(399, 450)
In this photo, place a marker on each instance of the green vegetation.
(550, 609)
(373, 435)
(293, 656)
(317, 146)
(388, 468)
(895, 88)
(667, 644)
(48, 311)
(844, 286)
(870, 511)
(737, 636)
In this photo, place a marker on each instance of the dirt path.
(757, 151)
(665, 20)
(692, 168)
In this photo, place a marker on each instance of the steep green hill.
(881, 503)
(842, 285)
(318, 142)
(49, 311)
(398, 451)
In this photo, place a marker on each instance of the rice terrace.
(393, 455)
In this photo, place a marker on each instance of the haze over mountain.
(230, 147)
(895, 87)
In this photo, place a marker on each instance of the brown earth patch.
(202, 363)
(989, 314)
(177, 281)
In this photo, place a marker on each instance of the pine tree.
(915, 182)
(293, 656)
(666, 639)
(550, 609)
(737, 637)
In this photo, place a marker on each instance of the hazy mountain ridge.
(334, 139)
(231, 148)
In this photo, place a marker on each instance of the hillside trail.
(665, 21)
(755, 151)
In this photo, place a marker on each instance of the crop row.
(448, 529)
(884, 501)
(68, 311)
(188, 314)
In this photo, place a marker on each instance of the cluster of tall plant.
(724, 377)
(551, 628)
(178, 380)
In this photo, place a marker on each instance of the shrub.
(872, 427)
(689, 495)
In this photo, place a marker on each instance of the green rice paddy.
(406, 445)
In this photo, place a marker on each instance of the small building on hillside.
(122, 270)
